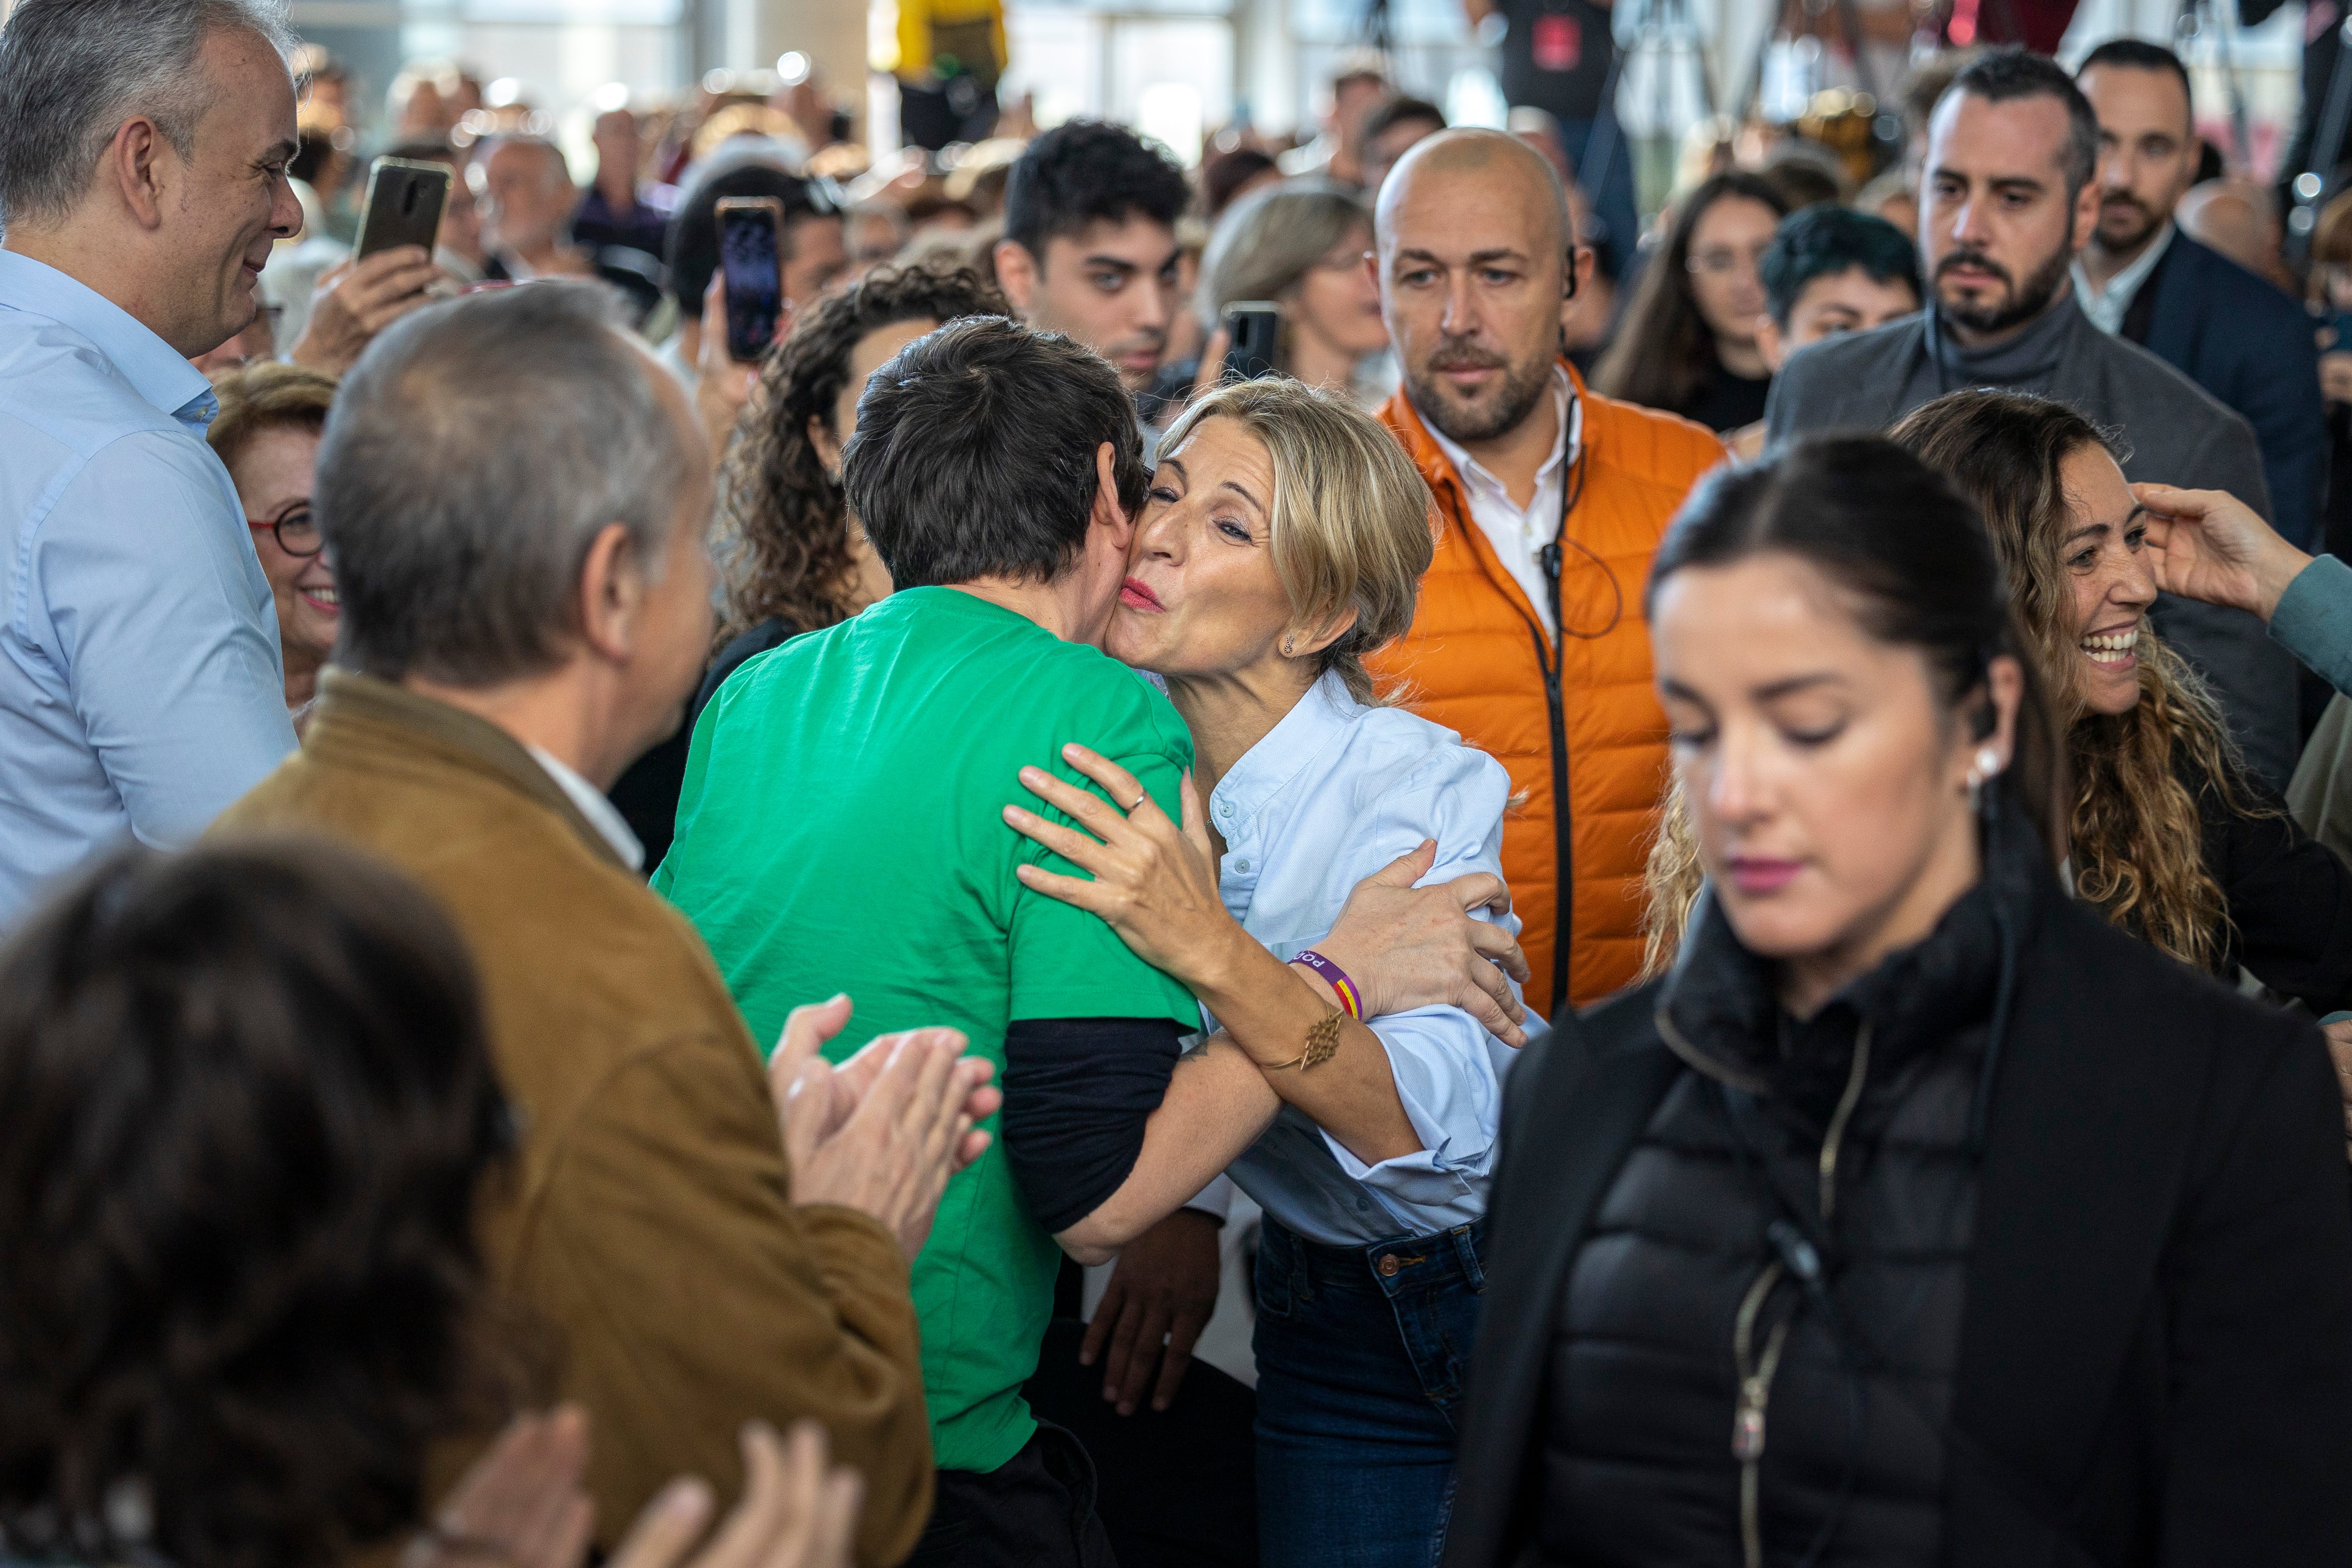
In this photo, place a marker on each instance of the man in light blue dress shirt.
(143, 146)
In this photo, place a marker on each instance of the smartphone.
(750, 253)
(1250, 328)
(403, 204)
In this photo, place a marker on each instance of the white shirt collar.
(1473, 474)
(602, 816)
(2105, 306)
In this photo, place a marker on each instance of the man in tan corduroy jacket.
(649, 1223)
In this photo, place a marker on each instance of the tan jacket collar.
(358, 716)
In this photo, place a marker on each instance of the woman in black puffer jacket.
(1918, 1215)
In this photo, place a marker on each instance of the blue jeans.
(1361, 1357)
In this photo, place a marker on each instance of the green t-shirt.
(841, 830)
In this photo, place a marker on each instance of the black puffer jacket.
(2146, 1358)
(1804, 1410)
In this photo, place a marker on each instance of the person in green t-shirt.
(840, 830)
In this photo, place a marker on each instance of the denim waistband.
(1412, 1262)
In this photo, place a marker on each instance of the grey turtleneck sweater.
(2171, 430)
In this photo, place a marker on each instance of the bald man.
(1530, 640)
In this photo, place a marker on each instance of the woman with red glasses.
(267, 434)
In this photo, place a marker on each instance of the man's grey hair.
(71, 71)
(473, 455)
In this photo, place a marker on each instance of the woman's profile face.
(1826, 782)
(1337, 301)
(1202, 596)
(1727, 243)
(2106, 568)
(274, 475)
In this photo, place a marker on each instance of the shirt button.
(1224, 808)
(1241, 865)
(1388, 1265)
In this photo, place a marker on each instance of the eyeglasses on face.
(294, 529)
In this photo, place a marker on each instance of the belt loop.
(1465, 1249)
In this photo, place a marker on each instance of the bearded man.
(1529, 639)
(2142, 277)
(2009, 199)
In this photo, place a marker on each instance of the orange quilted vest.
(1475, 660)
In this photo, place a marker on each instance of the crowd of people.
(1714, 855)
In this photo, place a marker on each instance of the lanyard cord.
(1549, 557)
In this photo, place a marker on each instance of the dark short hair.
(473, 453)
(974, 455)
(1085, 171)
(785, 510)
(2139, 55)
(1400, 111)
(1222, 176)
(692, 250)
(2009, 76)
(1824, 241)
(249, 1101)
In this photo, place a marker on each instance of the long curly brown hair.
(2138, 840)
(2135, 835)
(785, 513)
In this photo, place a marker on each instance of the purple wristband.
(1337, 979)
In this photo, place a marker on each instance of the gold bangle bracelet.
(1322, 1044)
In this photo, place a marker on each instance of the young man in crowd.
(1530, 640)
(999, 473)
(1828, 269)
(1089, 247)
(143, 146)
(2142, 278)
(523, 615)
(1391, 130)
(2010, 197)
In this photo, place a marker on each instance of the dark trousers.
(1179, 1486)
(1034, 1510)
(1361, 1355)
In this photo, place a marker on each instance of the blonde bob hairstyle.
(1350, 518)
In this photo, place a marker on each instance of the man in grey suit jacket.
(2008, 202)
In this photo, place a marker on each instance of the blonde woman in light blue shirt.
(1282, 541)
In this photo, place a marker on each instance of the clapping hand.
(798, 1511)
(884, 1131)
(522, 1505)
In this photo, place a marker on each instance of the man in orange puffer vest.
(1529, 639)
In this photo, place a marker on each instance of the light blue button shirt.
(1335, 792)
(141, 688)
